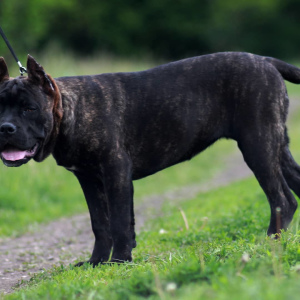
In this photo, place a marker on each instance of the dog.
(111, 129)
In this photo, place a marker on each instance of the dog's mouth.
(13, 154)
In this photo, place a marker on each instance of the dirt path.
(64, 240)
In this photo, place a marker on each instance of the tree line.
(169, 29)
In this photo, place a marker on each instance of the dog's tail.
(287, 71)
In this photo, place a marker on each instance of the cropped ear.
(38, 76)
(3, 70)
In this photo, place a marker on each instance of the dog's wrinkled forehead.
(16, 90)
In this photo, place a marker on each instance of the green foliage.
(169, 29)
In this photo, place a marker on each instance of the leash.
(22, 69)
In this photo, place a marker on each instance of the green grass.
(57, 63)
(210, 259)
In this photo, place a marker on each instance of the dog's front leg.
(119, 188)
(110, 202)
(96, 199)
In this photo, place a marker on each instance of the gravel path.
(64, 240)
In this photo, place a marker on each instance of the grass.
(59, 63)
(224, 253)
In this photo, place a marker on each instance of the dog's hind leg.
(291, 171)
(262, 151)
(132, 222)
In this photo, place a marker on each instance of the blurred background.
(158, 29)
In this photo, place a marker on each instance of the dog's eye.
(29, 109)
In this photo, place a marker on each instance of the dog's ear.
(3, 70)
(38, 76)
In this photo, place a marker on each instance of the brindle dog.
(110, 129)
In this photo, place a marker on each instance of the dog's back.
(170, 113)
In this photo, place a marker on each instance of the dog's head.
(30, 114)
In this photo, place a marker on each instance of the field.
(212, 246)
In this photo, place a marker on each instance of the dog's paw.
(92, 263)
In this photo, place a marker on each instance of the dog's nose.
(8, 128)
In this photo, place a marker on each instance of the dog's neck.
(69, 100)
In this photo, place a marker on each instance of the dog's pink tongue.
(13, 154)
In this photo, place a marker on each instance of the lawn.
(223, 253)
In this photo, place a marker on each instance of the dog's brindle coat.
(110, 129)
